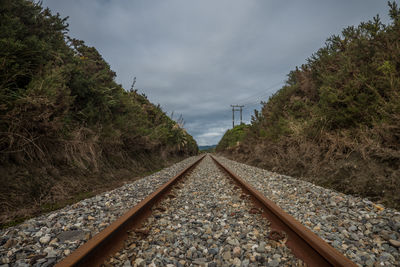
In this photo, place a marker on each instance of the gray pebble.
(189, 219)
(74, 224)
(350, 223)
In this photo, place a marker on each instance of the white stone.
(140, 262)
(45, 239)
(51, 216)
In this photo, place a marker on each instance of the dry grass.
(38, 187)
(352, 163)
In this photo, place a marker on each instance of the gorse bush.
(54, 89)
(353, 81)
(338, 111)
(232, 137)
(67, 129)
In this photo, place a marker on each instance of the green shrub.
(232, 137)
(54, 89)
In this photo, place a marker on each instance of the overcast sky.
(196, 58)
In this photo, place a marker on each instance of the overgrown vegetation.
(232, 137)
(336, 122)
(63, 117)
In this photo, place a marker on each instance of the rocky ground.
(44, 240)
(367, 233)
(208, 223)
(216, 227)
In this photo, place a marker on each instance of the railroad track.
(202, 216)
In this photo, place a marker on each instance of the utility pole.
(233, 113)
(233, 116)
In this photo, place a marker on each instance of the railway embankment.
(366, 232)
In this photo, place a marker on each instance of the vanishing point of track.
(303, 243)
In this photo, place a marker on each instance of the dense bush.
(232, 137)
(339, 111)
(66, 126)
(56, 89)
(350, 83)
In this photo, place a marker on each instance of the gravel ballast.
(44, 240)
(207, 222)
(367, 233)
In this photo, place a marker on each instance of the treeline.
(336, 121)
(61, 109)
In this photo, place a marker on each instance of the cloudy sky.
(196, 58)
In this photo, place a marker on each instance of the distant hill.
(202, 148)
(336, 121)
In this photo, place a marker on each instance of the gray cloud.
(197, 57)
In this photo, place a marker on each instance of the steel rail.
(111, 239)
(304, 244)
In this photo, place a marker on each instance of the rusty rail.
(111, 239)
(304, 243)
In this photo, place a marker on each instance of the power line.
(251, 101)
(263, 91)
(257, 98)
(260, 94)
